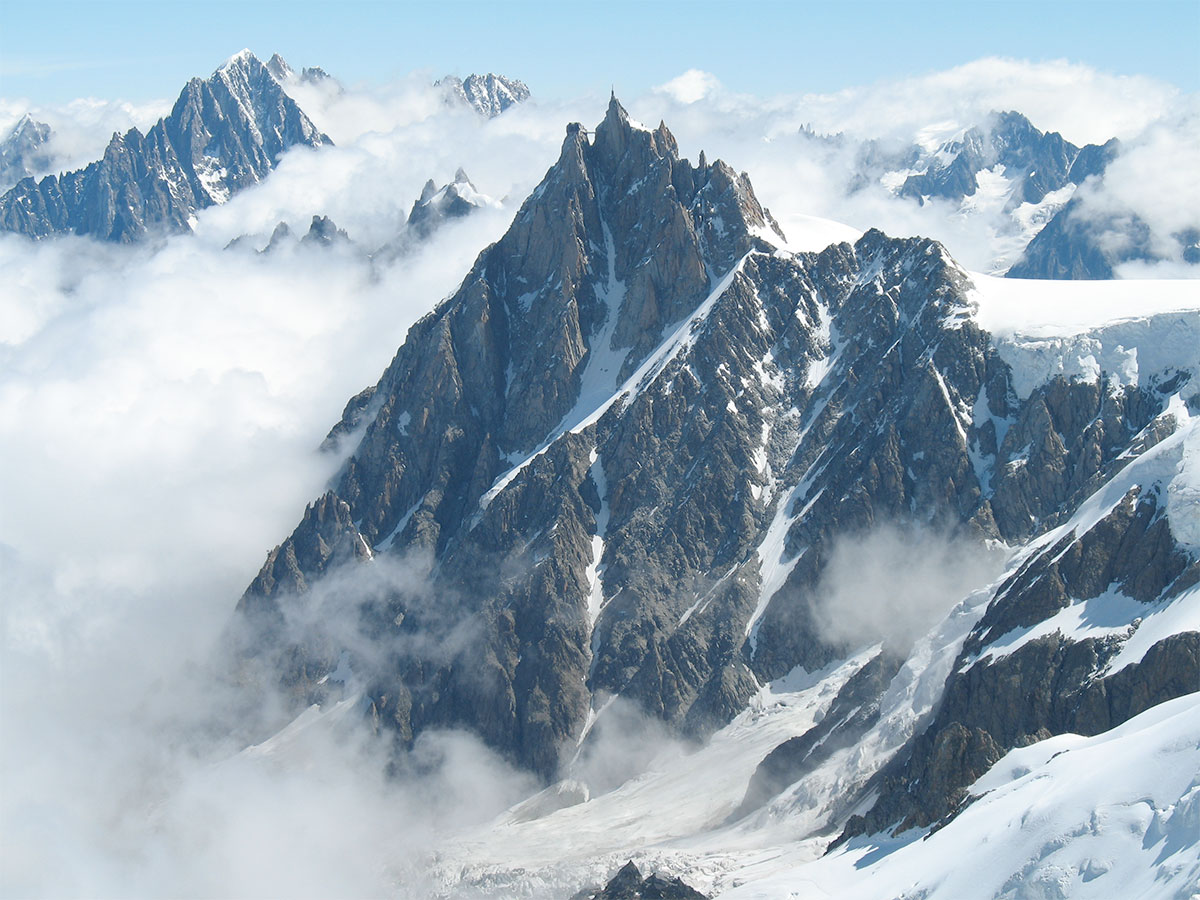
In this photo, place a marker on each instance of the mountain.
(1081, 243)
(1033, 163)
(283, 73)
(489, 95)
(223, 134)
(25, 151)
(455, 200)
(1005, 169)
(433, 208)
(628, 884)
(644, 452)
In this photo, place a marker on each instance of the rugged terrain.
(620, 462)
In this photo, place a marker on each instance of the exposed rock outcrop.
(625, 448)
(628, 884)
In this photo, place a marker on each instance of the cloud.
(160, 410)
(1154, 179)
(893, 583)
(691, 86)
(620, 745)
(81, 129)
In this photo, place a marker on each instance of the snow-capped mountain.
(647, 454)
(489, 95)
(435, 207)
(223, 134)
(1005, 169)
(1028, 163)
(451, 201)
(24, 151)
(284, 73)
(1079, 243)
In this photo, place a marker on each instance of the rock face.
(628, 884)
(1080, 242)
(24, 151)
(322, 232)
(618, 460)
(222, 135)
(489, 95)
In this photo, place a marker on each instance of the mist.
(893, 583)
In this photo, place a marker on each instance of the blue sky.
(138, 50)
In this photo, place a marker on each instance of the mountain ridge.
(624, 454)
(223, 134)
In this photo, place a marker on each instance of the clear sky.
(140, 50)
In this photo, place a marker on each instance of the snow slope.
(1116, 815)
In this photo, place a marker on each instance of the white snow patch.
(1127, 351)
(291, 740)
(395, 532)
(992, 192)
(211, 175)
(1114, 815)
(1045, 308)
(1110, 614)
(1183, 491)
(594, 570)
(772, 565)
(824, 336)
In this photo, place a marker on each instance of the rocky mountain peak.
(323, 232)
(25, 151)
(223, 134)
(25, 124)
(240, 59)
(489, 95)
(629, 447)
(279, 68)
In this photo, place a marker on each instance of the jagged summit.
(433, 208)
(224, 133)
(279, 68)
(243, 57)
(282, 72)
(25, 151)
(1035, 163)
(627, 450)
(489, 94)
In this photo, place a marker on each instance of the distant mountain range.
(1031, 163)
(223, 135)
(24, 151)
